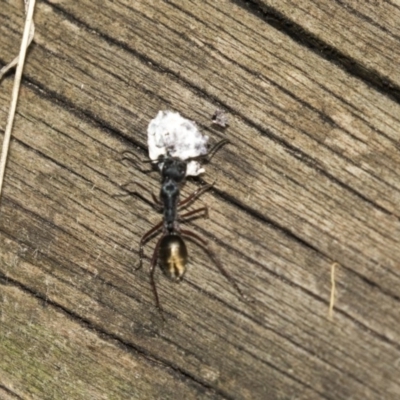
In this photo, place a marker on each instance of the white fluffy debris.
(220, 118)
(170, 133)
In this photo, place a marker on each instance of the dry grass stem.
(20, 60)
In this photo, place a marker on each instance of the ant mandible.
(170, 252)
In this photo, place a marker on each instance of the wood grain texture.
(361, 36)
(311, 178)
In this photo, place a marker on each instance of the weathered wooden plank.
(300, 187)
(48, 355)
(364, 35)
(7, 395)
(91, 285)
(313, 139)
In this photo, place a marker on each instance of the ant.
(170, 252)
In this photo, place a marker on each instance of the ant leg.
(194, 212)
(154, 260)
(156, 204)
(133, 159)
(205, 246)
(197, 193)
(145, 238)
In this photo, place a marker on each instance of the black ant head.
(173, 168)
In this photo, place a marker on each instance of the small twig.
(333, 289)
(14, 62)
(20, 60)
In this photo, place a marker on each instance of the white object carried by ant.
(171, 134)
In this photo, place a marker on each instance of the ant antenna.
(210, 154)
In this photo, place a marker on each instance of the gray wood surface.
(311, 178)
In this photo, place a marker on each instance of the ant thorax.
(173, 174)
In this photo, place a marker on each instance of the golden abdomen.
(173, 256)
